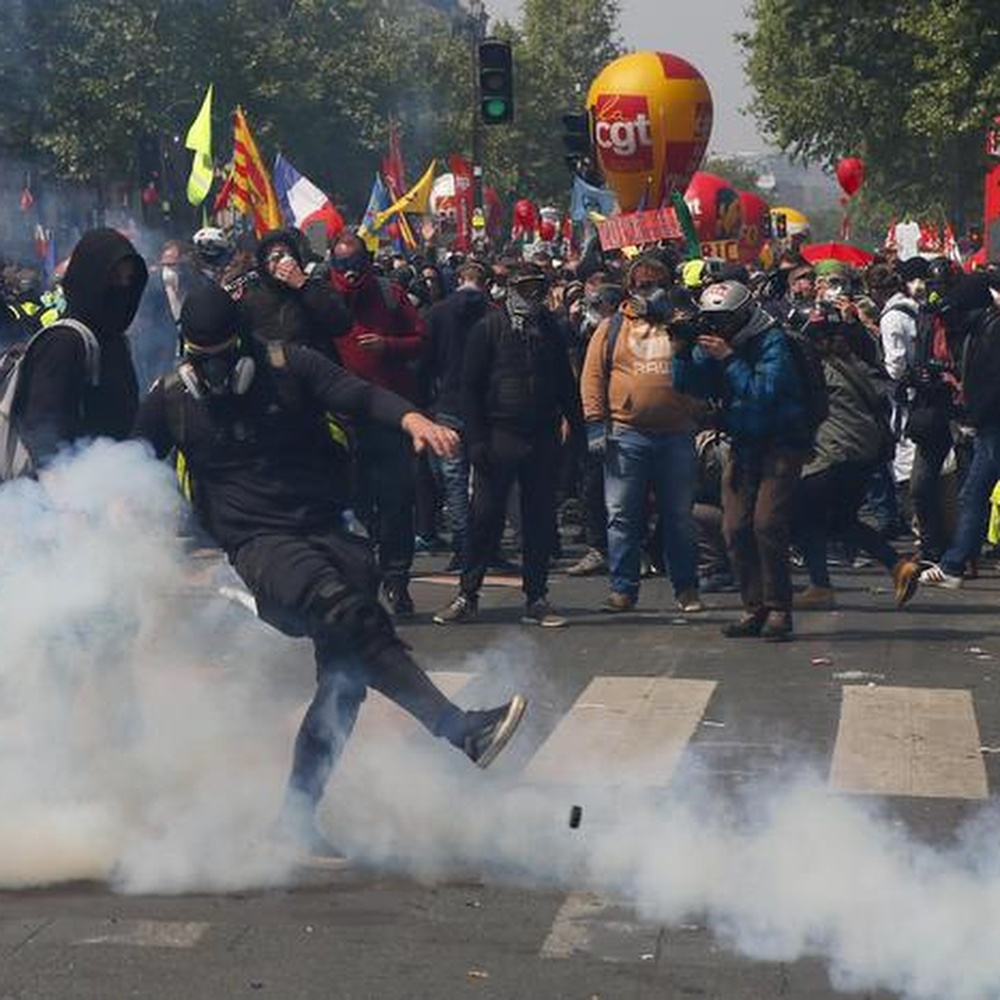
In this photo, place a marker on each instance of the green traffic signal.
(496, 82)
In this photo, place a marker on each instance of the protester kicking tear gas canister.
(270, 487)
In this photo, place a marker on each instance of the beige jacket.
(641, 392)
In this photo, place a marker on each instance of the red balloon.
(525, 219)
(850, 175)
(755, 227)
(547, 230)
(715, 207)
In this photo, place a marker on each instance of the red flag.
(393, 171)
(249, 186)
(461, 171)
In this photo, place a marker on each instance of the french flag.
(302, 203)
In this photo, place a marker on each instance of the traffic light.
(496, 82)
(576, 138)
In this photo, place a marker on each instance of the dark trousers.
(758, 495)
(595, 513)
(713, 559)
(925, 494)
(532, 465)
(324, 585)
(387, 495)
(827, 505)
(427, 497)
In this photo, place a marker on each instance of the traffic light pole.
(477, 24)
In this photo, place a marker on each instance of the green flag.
(199, 139)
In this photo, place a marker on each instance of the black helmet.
(725, 307)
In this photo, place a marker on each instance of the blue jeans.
(974, 501)
(633, 460)
(455, 477)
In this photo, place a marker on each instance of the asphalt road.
(755, 819)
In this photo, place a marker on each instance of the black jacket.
(981, 369)
(264, 462)
(448, 324)
(519, 381)
(56, 406)
(311, 315)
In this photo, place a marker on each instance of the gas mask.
(216, 372)
(651, 302)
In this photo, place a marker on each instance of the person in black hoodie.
(270, 487)
(448, 324)
(103, 285)
(284, 303)
(975, 305)
(517, 389)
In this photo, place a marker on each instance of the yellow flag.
(416, 199)
(199, 139)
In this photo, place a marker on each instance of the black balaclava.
(91, 294)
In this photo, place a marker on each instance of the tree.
(561, 46)
(909, 90)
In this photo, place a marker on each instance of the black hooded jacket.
(448, 324)
(56, 406)
(311, 315)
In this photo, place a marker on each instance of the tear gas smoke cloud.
(145, 740)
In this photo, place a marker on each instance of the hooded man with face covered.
(517, 387)
(285, 303)
(271, 489)
(58, 406)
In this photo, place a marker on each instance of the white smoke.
(145, 738)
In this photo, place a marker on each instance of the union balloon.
(756, 225)
(651, 115)
(715, 207)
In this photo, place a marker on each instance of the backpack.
(15, 459)
(809, 369)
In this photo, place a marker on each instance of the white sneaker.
(934, 576)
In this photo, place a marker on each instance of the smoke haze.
(146, 726)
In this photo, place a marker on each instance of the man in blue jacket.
(742, 359)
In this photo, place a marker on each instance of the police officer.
(270, 487)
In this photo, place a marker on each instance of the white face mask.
(917, 289)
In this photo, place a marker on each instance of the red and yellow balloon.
(756, 226)
(651, 114)
(715, 207)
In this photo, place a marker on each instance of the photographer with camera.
(645, 429)
(742, 359)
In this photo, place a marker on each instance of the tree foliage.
(909, 88)
(86, 80)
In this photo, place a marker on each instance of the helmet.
(725, 297)
(212, 245)
(725, 307)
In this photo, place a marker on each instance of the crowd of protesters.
(624, 402)
(341, 413)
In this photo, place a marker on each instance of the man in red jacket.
(383, 346)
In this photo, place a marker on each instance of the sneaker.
(540, 613)
(689, 601)
(934, 576)
(398, 597)
(491, 730)
(815, 599)
(616, 603)
(590, 564)
(747, 627)
(462, 608)
(777, 627)
(905, 580)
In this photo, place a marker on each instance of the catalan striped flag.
(249, 189)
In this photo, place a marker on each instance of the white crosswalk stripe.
(908, 741)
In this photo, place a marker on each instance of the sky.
(702, 34)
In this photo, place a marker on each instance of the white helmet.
(212, 245)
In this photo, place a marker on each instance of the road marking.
(626, 731)
(908, 741)
(147, 934)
